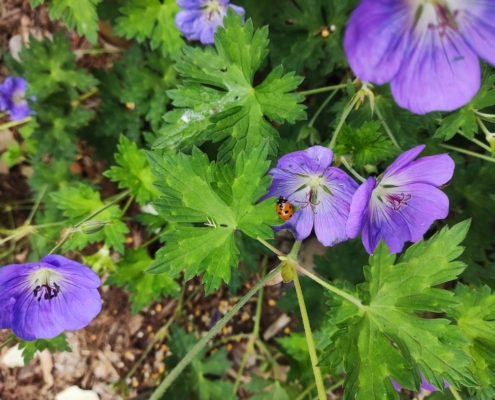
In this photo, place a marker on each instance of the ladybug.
(284, 209)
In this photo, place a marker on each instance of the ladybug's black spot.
(286, 212)
(279, 213)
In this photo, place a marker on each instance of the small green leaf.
(365, 144)
(144, 288)
(80, 14)
(154, 20)
(134, 172)
(476, 318)
(58, 343)
(80, 202)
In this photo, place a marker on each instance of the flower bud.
(90, 227)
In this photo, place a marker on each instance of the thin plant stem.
(482, 126)
(309, 339)
(323, 89)
(489, 116)
(322, 107)
(455, 393)
(306, 391)
(152, 240)
(275, 250)
(333, 289)
(351, 170)
(256, 330)
(11, 124)
(80, 52)
(333, 387)
(111, 203)
(346, 112)
(87, 95)
(471, 153)
(387, 129)
(11, 338)
(128, 204)
(3, 114)
(36, 205)
(162, 388)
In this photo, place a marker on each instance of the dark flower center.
(396, 201)
(46, 291)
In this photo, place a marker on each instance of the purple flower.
(401, 205)
(199, 18)
(427, 50)
(322, 193)
(40, 300)
(424, 385)
(12, 92)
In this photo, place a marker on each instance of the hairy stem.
(471, 153)
(158, 393)
(268, 245)
(385, 126)
(323, 89)
(333, 289)
(346, 112)
(351, 170)
(309, 339)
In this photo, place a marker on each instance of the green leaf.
(476, 318)
(218, 100)
(366, 144)
(266, 389)
(134, 172)
(464, 119)
(309, 33)
(80, 202)
(144, 288)
(101, 262)
(194, 378)
(51, 66)
(151, 19)
(219, 199)
(295, 349)
(80, 14)
(58, 343)
(387, 338)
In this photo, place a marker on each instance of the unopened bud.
(491, 140)
(90, 227)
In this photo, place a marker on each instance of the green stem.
(456, 394)
(36, 205)
(309, 338)
(324, 104)
(87, 95)
(351, 170)
(333, 387)
(385, 126)
(152, 240)
(323, 89)
(256, 330)
(158, 393)
(81, 52)
(471, 153)
(326, 285)
(306, 391)
(489, 116)
(128, 204)
(346, 112)
(9, 340)
(3, 114)
(268, 245)
(111, 203)
(14, 123)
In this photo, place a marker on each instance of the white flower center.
(390, 196)
(43, 283)
(18, 97)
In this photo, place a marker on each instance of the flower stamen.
(397, 201)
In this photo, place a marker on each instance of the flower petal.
(300, 224)
(426, 205)
(19, 111)
(442, 72)
(191, 4)
(359, 208)
(19, 84)
(186, 21)
(376, 38)
(403, 161)
(73, 271)
(238, 9)
(433, 170)
(284, 184)
(6, 308)
(311, 161)
(475, 20)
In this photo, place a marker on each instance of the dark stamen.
(46, 292)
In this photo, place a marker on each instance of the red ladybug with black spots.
(285, 210)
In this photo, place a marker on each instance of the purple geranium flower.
(199, 18)
(322, 193)
(424, 384)
(401, 205)
(40, 300)
(427, 50)
(12, 92)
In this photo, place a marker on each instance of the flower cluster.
(199, 19)
(12, 98)
(398, 206)
(427, 50)
(40, 300)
